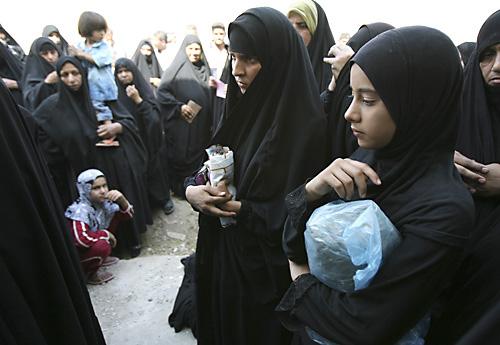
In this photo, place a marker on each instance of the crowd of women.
(399, 116)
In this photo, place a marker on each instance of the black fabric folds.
(342, 141)
(11, 68)
(35, 90)
(147, 118)
(466, 49)
(147, 65)
(181, 82)
(276, 131)
(475, 287)
(44, 299)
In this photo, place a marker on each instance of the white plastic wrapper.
(346, 243)
(220, 166)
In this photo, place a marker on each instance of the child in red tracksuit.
(93, 220)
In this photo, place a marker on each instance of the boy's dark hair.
(90, 22)
(218, 25)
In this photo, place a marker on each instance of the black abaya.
(181, 82)
(11, 68)
(148, 66)
(421, 193)
(63, 44)
(44, 299)
(276, 131)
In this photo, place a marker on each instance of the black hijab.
(466, 49)
(44, 298)
(63, 45)
(11, 68)
(480, 120)
(422, 96)
(148, 66)
(13, 46)
(35, 72)
(322, 40)
(276, 129)
(342, 141)
(67, 118)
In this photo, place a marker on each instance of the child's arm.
(80, 54)
(117, 197)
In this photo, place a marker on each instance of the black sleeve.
(36, 93)
(399, 296)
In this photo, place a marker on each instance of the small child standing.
(93, 219)
(97, 57)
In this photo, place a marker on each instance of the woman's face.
(99, 190)
(300, 26)
(245, 69)
(51, 56)
(125, 76)
(193, 52)
(489, 62)
(370, 120)
(146, 50)
(54, 37)
(71, 76)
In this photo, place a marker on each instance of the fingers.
(329, 60)
(348, 174)
(215, 211)
(469, 174)
(469, 164)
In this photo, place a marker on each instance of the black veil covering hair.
(68, 118)
(12, 68)
(276, 131)
(36, 69)
(149, 69)
(147, 118)
(341, 140)
(63, 45)
(476, 286)
(13, 46)
(44, 296)
(318, 47)
(181, 82)
(466, 49)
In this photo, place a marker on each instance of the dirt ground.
(133, 308)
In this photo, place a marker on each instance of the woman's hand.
(296, 270)
(187, 113)
(111, 130)
(231, 205)
(473, 173)
(51, 78)
(491, 186)
(155, 82)
(206, 199)
(133, 94)
(342, 175)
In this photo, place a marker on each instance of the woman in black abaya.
(186, 79)
(320, 35)
(44, 299)
(337, 97)
(276, 131)
(11, 71)
(69, 133)
(405, 165)
(476, 285)
(52, 32)
(8, 41)
(147, 63)
(132, 88)
(39, 79)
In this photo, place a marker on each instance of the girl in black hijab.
(406, 85)
(336, 97)
(135, 93)
(11, 71)
(52, 32)
(186, 80)
(39, 79)
(147, 63)
(321, 37)
(476, 285)
(276, 131)
(69, 133)
(44, 299)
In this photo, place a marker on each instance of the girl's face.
(245, 69)
(97, 36)
(124, 76)
(370, 120)
(300, 26)
(51, 56)
(193, 51)
(71, 76)
(99, 190)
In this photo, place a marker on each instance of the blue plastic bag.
(346, 243)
